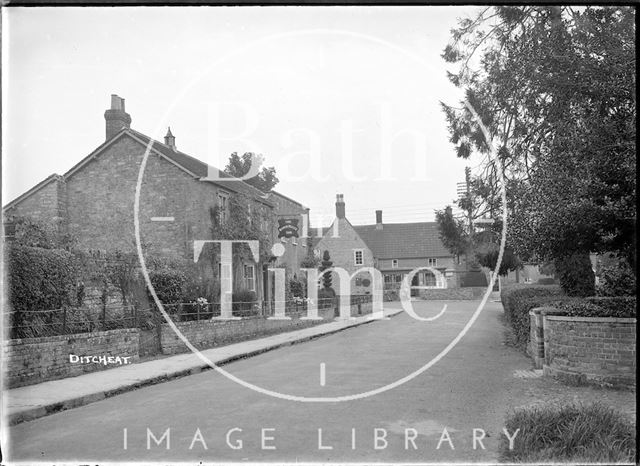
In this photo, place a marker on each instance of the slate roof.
(201, 169)
(397, 240)
(403, 240)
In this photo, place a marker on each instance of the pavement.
(34, 401)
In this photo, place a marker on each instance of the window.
(358, 257)
(432, 262)
(388, 278)
(249, 279)
(394, 263)
(223, 201)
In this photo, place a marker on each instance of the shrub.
(297, 288)
(517, 303)
(473, 278)
(546, 281)
(572, 433)
(601, 307)
(576, 275)
(40, 279)
(244, 300)
(617, 280)
(169, 284)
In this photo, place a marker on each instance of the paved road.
(470, 388)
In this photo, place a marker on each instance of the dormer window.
(394, 263)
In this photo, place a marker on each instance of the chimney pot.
(116, 118)
(340, 209)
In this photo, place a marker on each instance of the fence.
(68, 320)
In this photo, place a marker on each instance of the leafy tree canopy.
(555, 88)
(238, 166)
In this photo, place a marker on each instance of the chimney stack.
(340, 211)
(170, 139)
(116, 118)
(378, 220)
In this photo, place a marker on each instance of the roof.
(403, 240)
(201, 169)
(38, 186)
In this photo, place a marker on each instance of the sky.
(337, 99)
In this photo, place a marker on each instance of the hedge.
(617, 306)
(40, 279)
(518, 301)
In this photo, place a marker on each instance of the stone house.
(94, 201)
(346, 250)
(399, 248)
(394, 249)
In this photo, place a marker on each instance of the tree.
(326, 264)
(266, 178)
(509, 260)
(554, 87)
(452, 232)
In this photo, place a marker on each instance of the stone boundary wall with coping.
(34, 360)
(204, 334)
(597, 350)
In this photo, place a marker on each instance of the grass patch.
(575, 433)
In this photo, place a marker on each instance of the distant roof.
(403, 240)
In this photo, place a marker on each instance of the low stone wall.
(205, 334)
(34, 360)
(600, 350)
(468, 293)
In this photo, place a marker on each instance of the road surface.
(211, 418)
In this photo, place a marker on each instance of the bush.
(297, 288)
(576, 275)
(517, 303)
(244, 300)
(546, 281)
(601, 307)
(40, 279)
(572, 434)
(169, 284)
(617, 280)
(473, 278)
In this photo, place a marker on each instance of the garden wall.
(34, 360)
(213, 333)
(599, 350)
(468, 293)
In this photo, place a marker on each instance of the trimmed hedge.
(621, 306)
(518, 301)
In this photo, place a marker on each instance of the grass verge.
(577, 433)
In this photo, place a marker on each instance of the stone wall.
(469, 293)
(600, 350)
(47, 204)
(34, 360)
(205, 334)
